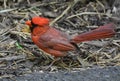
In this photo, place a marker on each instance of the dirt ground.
(18, 54)
(97, 74)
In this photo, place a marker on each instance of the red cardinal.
(57, 43)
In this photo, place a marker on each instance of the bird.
(58, 43)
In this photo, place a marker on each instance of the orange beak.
(28, 23)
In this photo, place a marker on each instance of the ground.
(19, 56)
(98, 74)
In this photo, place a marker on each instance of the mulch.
(19, 55)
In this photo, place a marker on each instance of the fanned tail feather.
(105, 31)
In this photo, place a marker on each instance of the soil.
(94, 74)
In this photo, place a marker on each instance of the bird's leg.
(83, 62)
(78, 57)
(55, 60)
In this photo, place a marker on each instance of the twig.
(7, 10)
(60, 16)
(101, 5)
(12, 58)
(28, 1)
(96, 10)
(5, 1)
(7, 76)
(64, 12)
(89, 13)
(22, 34)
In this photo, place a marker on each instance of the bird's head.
(37, 21)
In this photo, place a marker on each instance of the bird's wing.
(55, 40)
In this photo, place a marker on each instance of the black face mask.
(33, 26)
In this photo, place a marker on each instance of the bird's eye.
(33, 24)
